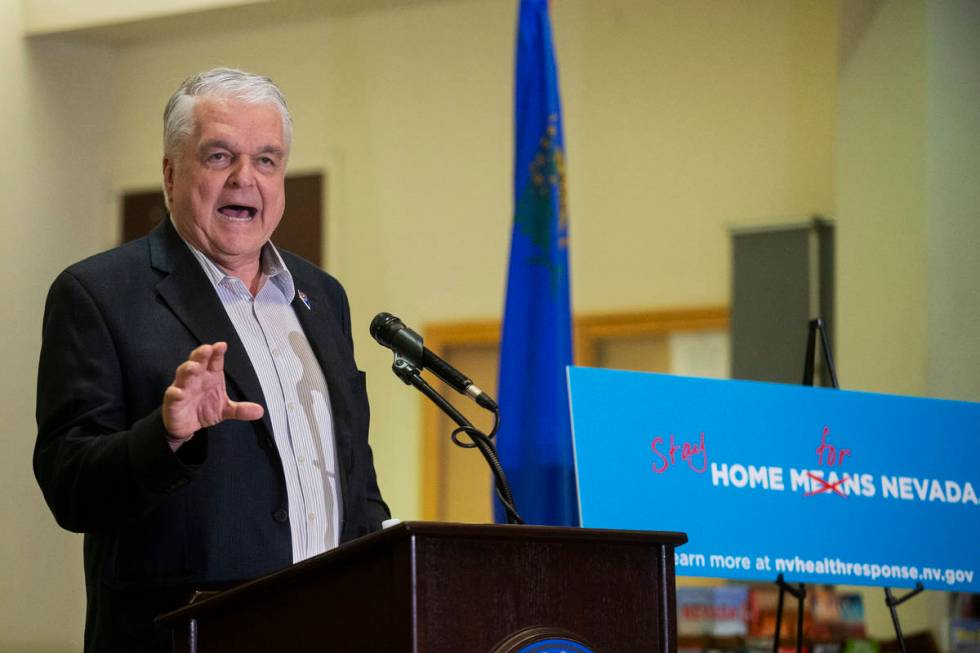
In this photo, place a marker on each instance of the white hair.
(226, 83)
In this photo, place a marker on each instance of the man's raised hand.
(197, 398)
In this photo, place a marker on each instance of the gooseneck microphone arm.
(408, 349)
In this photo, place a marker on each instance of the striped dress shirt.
(296, 397)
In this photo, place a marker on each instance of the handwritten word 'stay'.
(691, 453)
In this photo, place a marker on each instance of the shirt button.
(281, 515)
(291, 406)
(275, 351)
(312, 516)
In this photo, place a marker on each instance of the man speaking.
(200, 414)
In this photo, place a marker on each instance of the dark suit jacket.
(158, 524)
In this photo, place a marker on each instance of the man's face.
(226, 186)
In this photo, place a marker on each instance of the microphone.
(392, 333)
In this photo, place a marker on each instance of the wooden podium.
(432, 587)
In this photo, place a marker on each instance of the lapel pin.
(303, 298)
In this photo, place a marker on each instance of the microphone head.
(383, 327)
(392, 333)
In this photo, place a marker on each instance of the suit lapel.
(189, 294)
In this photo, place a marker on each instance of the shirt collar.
(273, 268)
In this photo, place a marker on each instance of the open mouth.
(237, 211)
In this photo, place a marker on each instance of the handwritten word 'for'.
(833, 456)
(689, 451)
(828, 454)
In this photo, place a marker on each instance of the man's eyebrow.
(225, 145)
(215, 142)
(271, 149)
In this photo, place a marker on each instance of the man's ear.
(168, 180)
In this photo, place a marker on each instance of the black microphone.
(392, 333)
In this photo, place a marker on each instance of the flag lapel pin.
(303, 298)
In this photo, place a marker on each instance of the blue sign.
(823, 486)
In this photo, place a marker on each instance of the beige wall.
(953, 200)
(53, 193)
(53, 16)
(683, 118)
(881, 212)
(908, 202)
(694, 117)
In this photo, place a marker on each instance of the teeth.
(237, 214)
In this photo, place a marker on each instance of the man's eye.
(218, 157)
(267, 161)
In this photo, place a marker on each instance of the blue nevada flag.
(534, 440)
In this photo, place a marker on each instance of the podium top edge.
(423, 530)
(522, 531)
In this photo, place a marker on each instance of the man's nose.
(242, 174)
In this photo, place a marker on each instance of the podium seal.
(543, 639)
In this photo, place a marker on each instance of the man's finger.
(243, 410)
(217, 362)
(173, 394)
(187, 371)
(201, 355)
